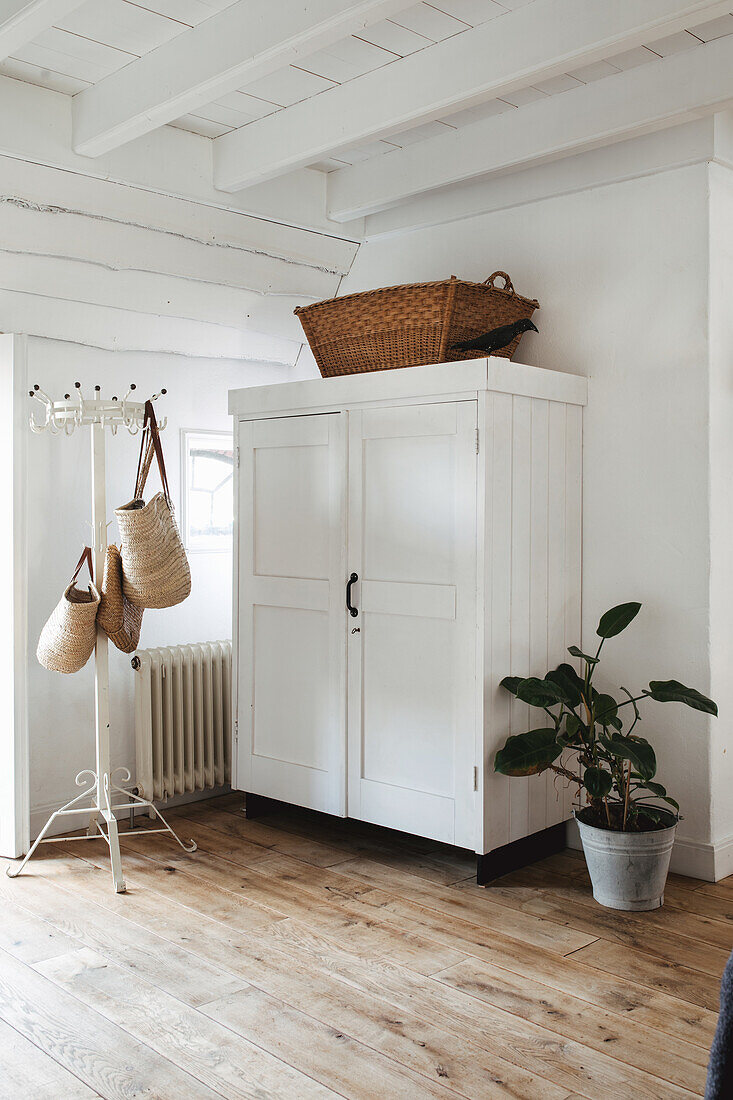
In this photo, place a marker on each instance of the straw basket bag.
(67, 640)
(120, 620)
(155, 571)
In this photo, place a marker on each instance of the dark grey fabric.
(720, 1068)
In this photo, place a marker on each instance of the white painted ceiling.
(103, 36)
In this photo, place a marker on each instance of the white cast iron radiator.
(183, 718)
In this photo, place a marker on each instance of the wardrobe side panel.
(532, 584)
(573, 566)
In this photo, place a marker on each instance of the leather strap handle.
(86, 556)
(149, 447)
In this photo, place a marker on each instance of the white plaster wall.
(61, 708)
(621, 275)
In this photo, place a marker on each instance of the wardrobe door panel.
(290, 706)
(412, 660)
(413, 706)
(291, 652)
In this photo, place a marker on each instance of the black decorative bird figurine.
(498, 338)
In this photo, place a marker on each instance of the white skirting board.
(41, 814)
(694, 858)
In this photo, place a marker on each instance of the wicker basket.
(405, 326)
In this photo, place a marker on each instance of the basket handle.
(508, 285)
(150, 447)
(86, 556)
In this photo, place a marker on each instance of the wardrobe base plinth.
(520, 853)
(257, 805)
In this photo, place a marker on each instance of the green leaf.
(597, 782)
(606, 710)
(661, 792)
(538, 693)
(527, 753)
(575, 652)
(573, 724)
(511, 683)
(574, 731)
(655, 813)
(617, 619)
(672, 691)
(574, 727)
(635, 749)
(567, 680)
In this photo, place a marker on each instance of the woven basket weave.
(155, 570)
(68, 638)
(154, 564)
(119, 619)
(406, 326)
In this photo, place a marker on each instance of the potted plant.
(628, 824)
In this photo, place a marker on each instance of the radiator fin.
(183, 719)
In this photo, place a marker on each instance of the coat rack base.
(106, 805)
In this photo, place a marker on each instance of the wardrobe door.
(412, 648)
(291, 651)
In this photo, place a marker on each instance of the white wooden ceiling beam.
(663, 93)
(35, 126)
(23, 20)
(675, 147)
(519, 48)
(248, 40)
(249, 241)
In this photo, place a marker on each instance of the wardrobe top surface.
(450, 380)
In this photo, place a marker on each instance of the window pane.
(209, 470)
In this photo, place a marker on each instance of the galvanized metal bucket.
(627, 870)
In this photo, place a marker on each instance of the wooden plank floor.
(296, 957)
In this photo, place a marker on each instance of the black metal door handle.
(354, 611)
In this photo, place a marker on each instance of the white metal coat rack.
(100, 786)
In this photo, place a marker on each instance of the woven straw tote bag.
(155, 571)
(67, 640)
(120, 620)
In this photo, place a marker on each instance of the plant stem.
(608, 812)
(566, 772)
(626, 795)
(599, 718)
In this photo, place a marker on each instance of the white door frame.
(14, 745)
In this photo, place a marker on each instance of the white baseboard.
(40, 814)
(693, 858)
(723, 858)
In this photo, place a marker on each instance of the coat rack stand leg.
(103, 806)
(101, 788)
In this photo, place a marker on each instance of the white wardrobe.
(404, 539)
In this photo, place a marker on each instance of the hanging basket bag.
(67, 640)
(155, 571)
(120, 620)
